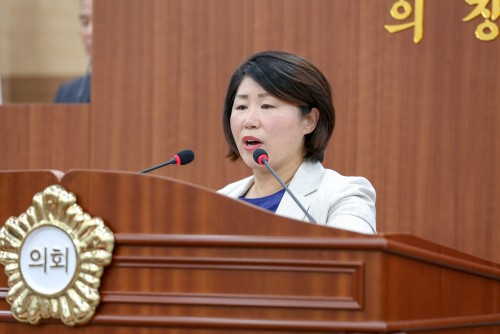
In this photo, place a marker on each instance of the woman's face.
(260, 120)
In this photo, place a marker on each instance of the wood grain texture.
(420, 121)
(17, 189)
(44, 136)
(240, 241)
(178, 266)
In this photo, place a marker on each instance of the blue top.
(270, 202)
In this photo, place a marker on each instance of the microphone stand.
(311, 219)
(171, 161)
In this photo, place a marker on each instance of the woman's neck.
(265, 183)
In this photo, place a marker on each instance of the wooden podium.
(188, 260)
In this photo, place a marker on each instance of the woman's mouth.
(251, 143)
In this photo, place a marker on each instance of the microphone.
(260, 156)
(183, 157)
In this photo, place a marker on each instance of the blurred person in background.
(78, 90)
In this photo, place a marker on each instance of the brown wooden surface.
(191, 259)
(419, 120)
(46, 136)
(17, 189)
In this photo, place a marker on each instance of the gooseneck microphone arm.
(260, 156)
(166, 163)
(181, 158)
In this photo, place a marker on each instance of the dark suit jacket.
(74, 91)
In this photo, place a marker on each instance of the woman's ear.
(311, 120)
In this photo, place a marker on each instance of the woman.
(283, 104)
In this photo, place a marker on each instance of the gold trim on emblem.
(92, 241)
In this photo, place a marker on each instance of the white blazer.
(345, 202)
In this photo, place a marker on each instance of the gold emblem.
(54, 254)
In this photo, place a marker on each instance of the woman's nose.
(251, 118)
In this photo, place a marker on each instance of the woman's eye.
(240, 107)
(267, 106)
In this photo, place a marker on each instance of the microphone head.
(184, 157)
(260, 154)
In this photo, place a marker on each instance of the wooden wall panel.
(419, 120)
(18, 189)
(36, 136)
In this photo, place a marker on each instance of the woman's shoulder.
(350, 201)
(331, 176)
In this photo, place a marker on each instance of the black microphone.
(260, 156)
(183, 157)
